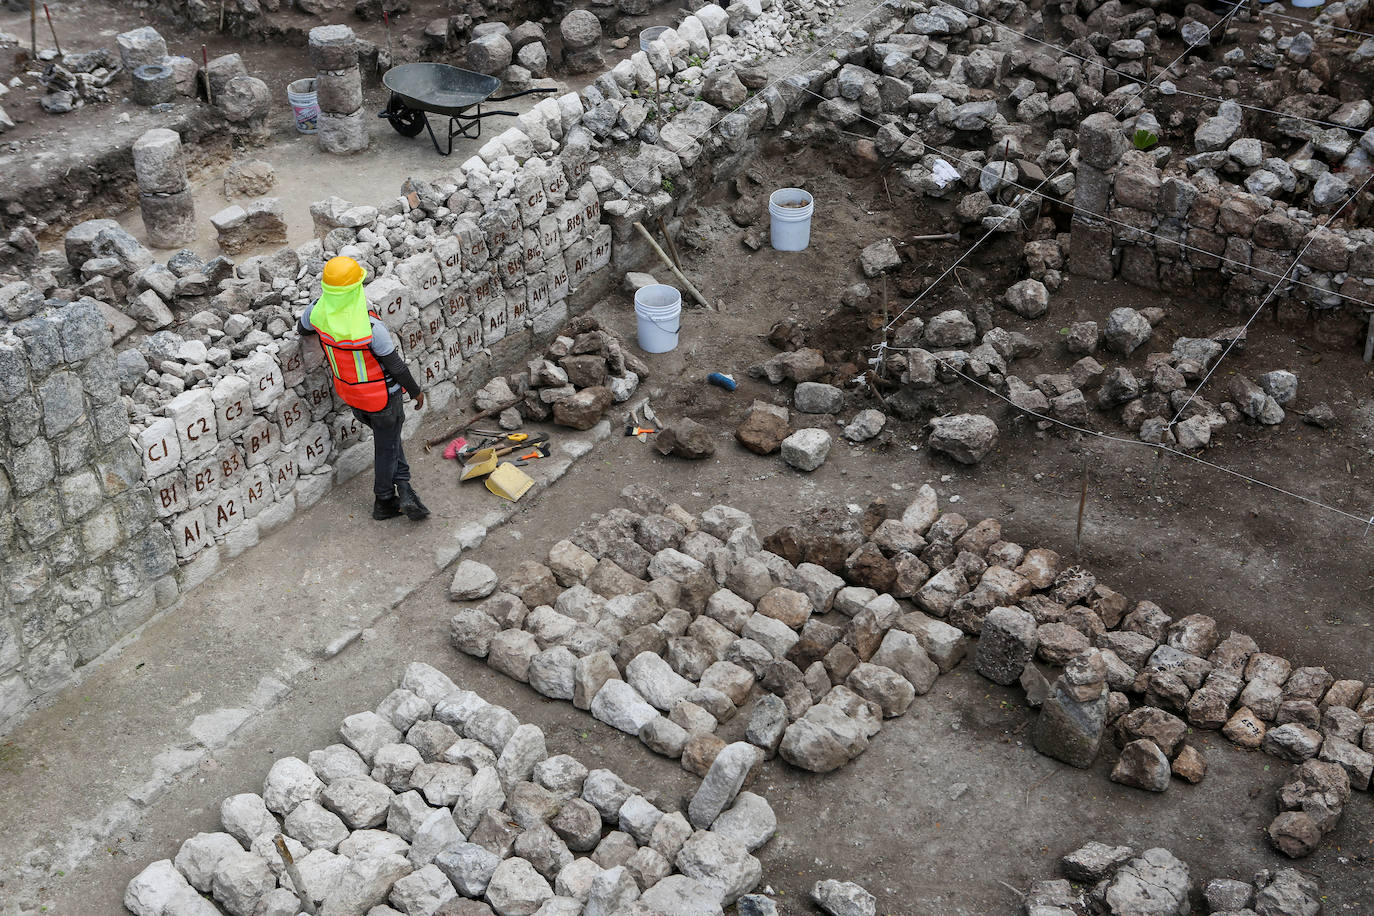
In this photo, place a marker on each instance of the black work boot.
(384, 508)
(410, 503)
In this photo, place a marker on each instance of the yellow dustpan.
(509, 482)
(482, 463)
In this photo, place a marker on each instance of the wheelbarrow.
(418, 90)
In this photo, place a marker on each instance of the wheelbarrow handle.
(516, 95)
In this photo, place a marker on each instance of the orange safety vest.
(358, 377)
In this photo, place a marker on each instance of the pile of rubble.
(579, 375)
(1157, 883)
(661, 623)
(439, 802)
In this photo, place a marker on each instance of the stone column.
(164, 193)
(339, 85)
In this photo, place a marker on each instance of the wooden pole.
(57, 44)
(668, 240)
(205, 60)
(1369, 340)
(1082, 504)
(294, 874)
(669, 264)
(464, 425)
(33, 28)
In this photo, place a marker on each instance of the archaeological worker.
(369, 374)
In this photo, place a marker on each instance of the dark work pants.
(391, 467)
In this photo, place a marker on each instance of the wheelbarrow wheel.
(407, 121)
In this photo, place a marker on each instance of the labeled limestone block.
(314, 448)
(169, 219)
(265, 380)
(343, 134)
(390, 299)
(261, 440)
(420, 274)
(233, 405)
(449, 252)
(169, 494)
(193, 414)
(190, 533)
(158, 163)
(495, 320)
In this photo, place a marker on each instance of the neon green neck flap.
(341, 312)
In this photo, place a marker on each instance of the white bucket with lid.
(650, 35)
(305, 104)
(790, 211)
(658, 310)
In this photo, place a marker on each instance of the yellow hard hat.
(342, 272)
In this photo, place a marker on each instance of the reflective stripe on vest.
(358, 377)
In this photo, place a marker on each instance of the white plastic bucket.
(650, 35)
(658, 309)
(790, 225)
(305, 104)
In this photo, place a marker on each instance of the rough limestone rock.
(1068, 729)
(723, 781)
(965, 437)
(1006, 643)
(1153, 884)
(1142, 766)
(1028, 298)
(471, 581)
(806, 449)
(843, 898)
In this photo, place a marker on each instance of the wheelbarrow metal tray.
(439, 88)
(418, 90)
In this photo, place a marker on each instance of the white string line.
(1155, 446)
(1313, 23)
(1237, 338)
(1241, 265)
(839, 33)
(1044, 182)
(1135, 79)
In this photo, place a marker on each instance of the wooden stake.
(1369, 340)
(938, 237)
(1082, 504)
(205, 61)
(672, 246)
(464, 425)
(701, 300)
(57, 44)
(294, 874)
(33, 29)
(221, 15)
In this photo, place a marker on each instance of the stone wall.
(1162, 229)
(108, 517)
(85, 560)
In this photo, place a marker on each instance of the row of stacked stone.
(1103, 879)
(1239, 243)
(662, 624)
(343, 125)
(1027, 608)
(164, 191)
(441, 799)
